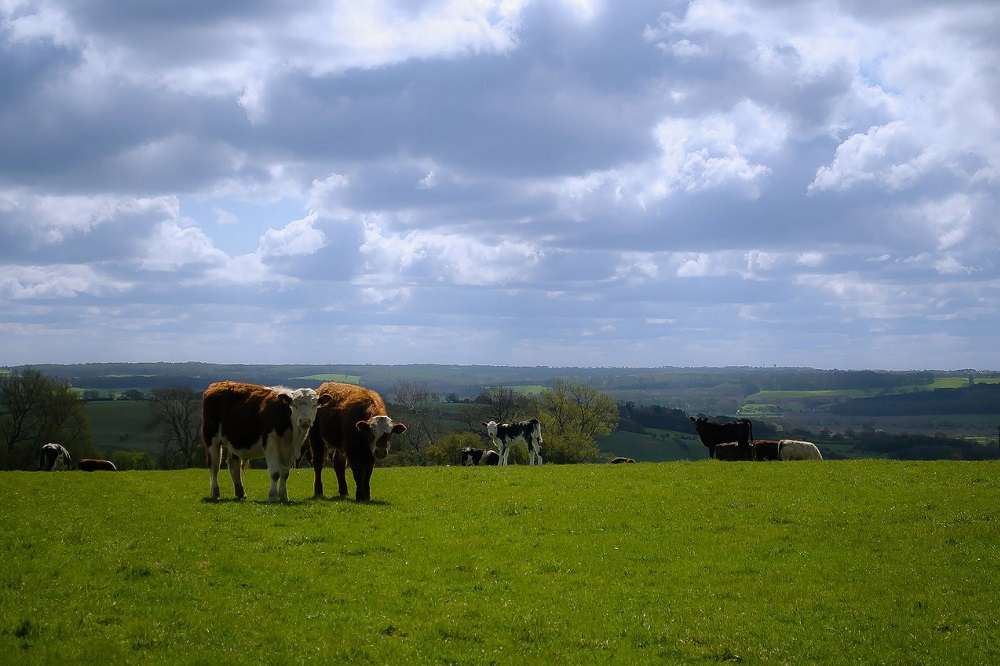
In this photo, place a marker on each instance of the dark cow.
(354, 423)
(712, 434)
(765, 449)
(471, 456)
(506, 435)
(620, 459)
(96, 465)
(732, 451)
(54, 457)
(254, 421)
(491, 457)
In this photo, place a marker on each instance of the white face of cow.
(491, 429)
(305, 402)
(379, 430)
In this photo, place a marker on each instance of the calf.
(620, 459)
(256, 422)
(732, 451)
(765, 449)
(471, 456)
(506, 435)
(792, 449)
(353, 422)
(713, 434)
(96, 465)
(54, 457)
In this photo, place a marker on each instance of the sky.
(550, 183)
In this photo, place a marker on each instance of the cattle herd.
(734, 441)
(349, 425)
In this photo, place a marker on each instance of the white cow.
(793, 449)
(506, 435)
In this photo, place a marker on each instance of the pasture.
(862, 561)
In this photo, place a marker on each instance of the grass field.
(832, 562)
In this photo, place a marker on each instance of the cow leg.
(504, 452)
(277, 473)
(340, 469)
(214, 453)
(362, 473)
(236, 471)
(318, 451)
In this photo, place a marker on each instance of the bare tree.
(177, 409)
(423, 417)
(37, 410)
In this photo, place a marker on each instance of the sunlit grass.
(831, 562)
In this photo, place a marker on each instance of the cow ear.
(362, 426)
(398, 428)
(285, 398)
(325, 398)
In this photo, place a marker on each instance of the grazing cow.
(765, 449)
(54, 457)
(712, 434)
(491, 457)
(792, 449)
(96, 465)
(732, 451)
(506, 435)
(471, 456)
(353, 422)
(256, 422)
(619, 459)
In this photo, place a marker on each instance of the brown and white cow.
(793, 449)
(506, 435)
(96, 465)
(712, 434)
(256, 422)
(353, 422)
(54, 457)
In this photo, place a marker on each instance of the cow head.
(379, 431)
(304, 403)
(491, 429)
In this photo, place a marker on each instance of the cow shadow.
(338, 498)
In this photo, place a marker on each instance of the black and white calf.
(505, 435)
(54, 457)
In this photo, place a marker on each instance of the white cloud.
(299, 237)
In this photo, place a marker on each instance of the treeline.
(975, 399)
(919, 447)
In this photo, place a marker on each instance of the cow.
(254, 421)
(792, 449)
(96, 465)
(620, 459)
(732, 451)
(491, 457)
(471, 456)
(712, 434)
(54, 458)
(506, 435)
(353, 422)
(765, 449)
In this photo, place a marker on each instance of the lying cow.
(792, 449)
(471, 456)
(254, 421)
(621, 459)
(491, 457)
(733, 451)
(352, 421)
(765, 449)
(506, 435)
(712, 434)
(54, 458)
(96, 465)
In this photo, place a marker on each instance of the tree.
(419, 410)
(573, 416)
(37, 410)
(177, 409)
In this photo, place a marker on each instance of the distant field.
(857, 562)
(122, 425)
(332, 377)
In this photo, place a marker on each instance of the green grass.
(831, 562)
